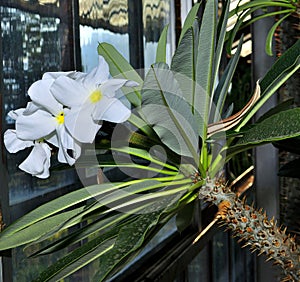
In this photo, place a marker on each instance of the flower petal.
(55, 75)
(65, 144)
(40, 94)
(117, 112)
(80, 123)
(31, 108)
(35, 126)
(109, 87)
(15, 113)
(52, 139)
(13, 144)
(111, 109)
(38, 161)
(97, 75)
(68, 91)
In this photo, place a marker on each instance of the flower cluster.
(66, 110)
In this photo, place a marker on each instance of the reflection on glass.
(156, 15)
(30, 47)
(91, 37)
(102, 21)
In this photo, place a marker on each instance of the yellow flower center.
(96, 96)
(60, 118)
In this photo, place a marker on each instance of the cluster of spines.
(254, 228)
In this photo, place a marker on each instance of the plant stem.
(254, 228)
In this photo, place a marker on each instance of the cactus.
(254, 228)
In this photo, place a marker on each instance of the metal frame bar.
(266, 158)
(136, 34)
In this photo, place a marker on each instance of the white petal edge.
(13, 144)
(40, 94)
(111, 109)
(116, 112)
(69, 92)
(38, 162)
(35, 126)
(109, 87)
(97, 75)
(81, 125)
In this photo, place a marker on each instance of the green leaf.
(57, 205)
(120, 68)
(271, 32)
(80, 257)
(145, 155)
(221, 33)
(161, 46)
(279, 73)
(163, 106)
(85, 231)
(183, 64)
(261, 4)
(225, 81)
(240, 20)
(189, 21)
(280, 126)
(130, 239)
(35, 231)
(204, 64)
(283, 106)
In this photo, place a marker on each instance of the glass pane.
(156, 15)
(105, 21)
(30, 46)
(199, 268)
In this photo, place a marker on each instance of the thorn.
(269, 258)
(284, 230)
(244, 200)
(261, 252)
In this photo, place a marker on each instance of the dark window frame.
(177, 251)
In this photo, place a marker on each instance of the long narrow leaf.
(90, 229)
(269, 39)
(225, 81)
(261, 4)
(162, 46)
(118, 66)
(188, 23)
(283, 68)
(183, 65)
(282, 125)
(174, 124)
(221, 33)
(204, 64)
(35, 231)
(79, 257)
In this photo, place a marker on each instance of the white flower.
(38, 161)
(44, 118)
(91, 98)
